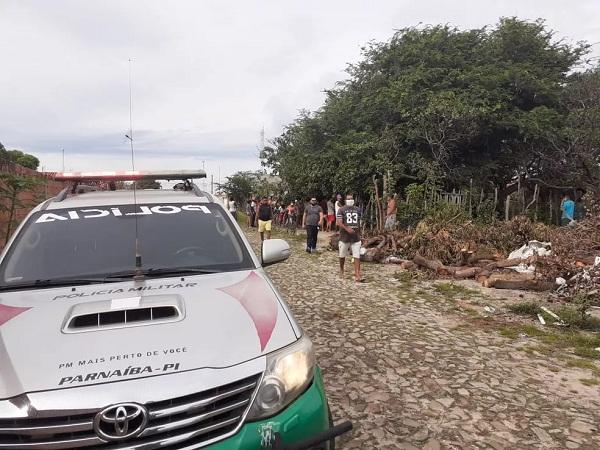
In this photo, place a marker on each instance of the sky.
(207, 76)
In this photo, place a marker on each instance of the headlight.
(289, 371)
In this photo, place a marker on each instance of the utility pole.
(262, 142)
(262, 139)
(63, 159)
(212, 184)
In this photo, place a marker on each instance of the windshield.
(98, 242)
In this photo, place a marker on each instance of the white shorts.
(349, 247)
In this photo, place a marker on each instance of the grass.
(575, 319)
(570, 316)
(428, 296)
(585, 364)
(589, 381)
(509, 332)
(574, 339)
(531, 330)
(582, 364)
(405, 277)
(452, 290)
(582, 344)
(586, 352)
(525, 309)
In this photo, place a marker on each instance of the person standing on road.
(232, 208)
(265, 219)
(338, 203)
(348, 221)
(313, 216)
(323, 205)
(390, 215)
(330, 214)
(253, 208)
(249, 212)
(300, 212)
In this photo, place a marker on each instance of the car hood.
(217, 321)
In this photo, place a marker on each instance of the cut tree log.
(394, 244)
(526, 285)
(431, 264)
(441, 269)
(407, 265)
(394, 260)
(478, 257)
(373, 255)
(448, 270)
(383, 242)
(484, 262)
(482, 276)
(373, 241)
(465, 256)
(468, 272)
(507, 276)
(402, 263)
(507, 263)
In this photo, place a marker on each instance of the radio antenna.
(138, 255)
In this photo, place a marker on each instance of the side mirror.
(274, 251)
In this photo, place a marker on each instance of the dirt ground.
(413, 368)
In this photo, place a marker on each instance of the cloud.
(207, 76)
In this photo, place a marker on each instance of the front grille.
(188, 422)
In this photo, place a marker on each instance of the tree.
(240, 186)
(18, 157)
(440, 106)
(11, 186)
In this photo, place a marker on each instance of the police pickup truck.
(142, 319)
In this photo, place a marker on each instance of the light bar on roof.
(130, 175)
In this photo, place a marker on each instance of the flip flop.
(359, 280)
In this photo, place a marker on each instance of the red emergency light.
(130, 175)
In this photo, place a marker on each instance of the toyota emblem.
(120, 422)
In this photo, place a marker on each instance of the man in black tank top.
(348, 220)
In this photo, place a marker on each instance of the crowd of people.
(341, 214)
(334, 214)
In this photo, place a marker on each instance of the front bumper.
(307, 415)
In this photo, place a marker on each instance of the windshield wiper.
(58, 282)
(178, 271)
(157, 271)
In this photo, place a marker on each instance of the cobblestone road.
(412, 372)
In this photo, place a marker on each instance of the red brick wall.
(44, 189)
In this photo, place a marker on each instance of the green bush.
(525, 309)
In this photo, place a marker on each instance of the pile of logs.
(491, 270)
(490, 273)
(378, 247)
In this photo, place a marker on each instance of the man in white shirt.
(232, 208)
